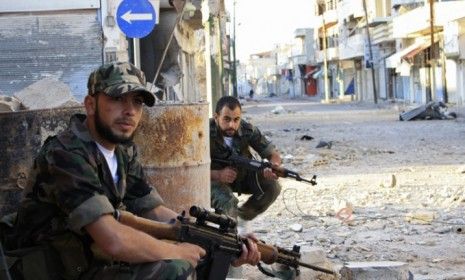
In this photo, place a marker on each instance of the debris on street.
(324, 144)
(278, 110)
(380, 170)
(306, 137)
(430, 111)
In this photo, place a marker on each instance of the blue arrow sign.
(136, 18)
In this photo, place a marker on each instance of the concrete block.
(46, 93)
(315, 256)
(383, 270)
(9, 104)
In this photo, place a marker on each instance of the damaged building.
(48, 49)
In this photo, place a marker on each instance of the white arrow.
(129, 17)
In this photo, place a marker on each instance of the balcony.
(300, 59)
(329, 17)
(331, 54)
(454, 39)
(350, 9)
(352, 47)
(382, 33)
(301, 32)
(415, 23)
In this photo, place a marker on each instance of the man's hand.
(190, 252)
(250, 254)
(227, 175)
(275, 160)
(269, 175)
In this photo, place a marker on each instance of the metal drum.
(23, 133)
(174, 150)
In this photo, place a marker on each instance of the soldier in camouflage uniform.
(81, 177)
(231, 134)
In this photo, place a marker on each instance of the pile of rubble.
(430, 111)
(44, 94)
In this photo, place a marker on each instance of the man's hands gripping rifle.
(258, 166)
(216, 233)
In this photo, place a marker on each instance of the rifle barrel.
(317, 268)
(308, 181)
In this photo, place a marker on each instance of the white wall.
(49, 5)
(461, 82)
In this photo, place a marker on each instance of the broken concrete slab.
(296, 227)
(9, 104)
(278, 110)
(315, 256)
(382, 270)
(430, 111)
(46, 93)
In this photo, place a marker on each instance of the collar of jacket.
(79, 128)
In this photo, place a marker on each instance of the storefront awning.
(318, 73)
(409, 52)
(310, 74)
(394, 60)
(416, 51)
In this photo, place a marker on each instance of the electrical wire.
(307, 216)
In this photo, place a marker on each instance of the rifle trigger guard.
(117, 215)
(265, 271)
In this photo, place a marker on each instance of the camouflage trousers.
(160, 270)
(222, 197)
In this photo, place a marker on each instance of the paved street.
(402, 180)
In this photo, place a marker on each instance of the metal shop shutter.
(66, 45)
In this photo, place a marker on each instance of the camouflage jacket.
(71, 186)
(247, 136)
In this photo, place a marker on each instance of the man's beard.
(106, 133)
(228, 133)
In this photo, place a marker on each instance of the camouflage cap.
(118, 78)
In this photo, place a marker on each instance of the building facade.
(66, 40)
(388, 50)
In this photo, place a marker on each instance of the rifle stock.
(212, 239)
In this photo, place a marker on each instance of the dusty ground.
(384, 169)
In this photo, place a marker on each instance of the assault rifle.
(255, 165)
(218, 238)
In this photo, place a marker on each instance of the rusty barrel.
(22, 135)
(174, 150)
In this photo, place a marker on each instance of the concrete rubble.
(430, 111)
(46, 93)
(398, 187)
(9, 104)
(376, 270)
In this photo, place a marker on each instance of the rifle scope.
(223, 221)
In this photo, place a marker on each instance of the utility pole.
(325, 63)
(372, 66)
(234, 76)
(432, 83)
